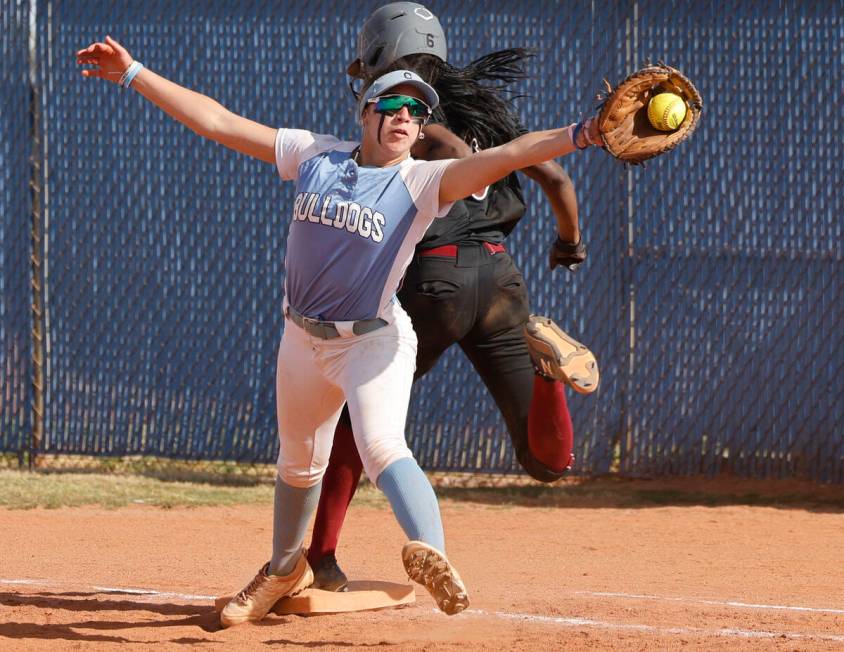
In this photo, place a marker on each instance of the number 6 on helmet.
(393, 31)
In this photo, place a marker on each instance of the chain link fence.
(16, 147)
(142, 267)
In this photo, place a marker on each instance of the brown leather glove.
(623, 118)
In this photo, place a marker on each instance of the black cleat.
(328, 576)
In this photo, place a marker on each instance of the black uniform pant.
(479, 301)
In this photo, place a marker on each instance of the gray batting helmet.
(393, 31)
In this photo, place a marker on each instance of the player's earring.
(421, 136)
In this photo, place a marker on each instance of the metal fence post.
(38, 251)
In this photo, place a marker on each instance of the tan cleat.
(429, 567)
(557, 355)
(258, 597)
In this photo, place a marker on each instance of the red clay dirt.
(734, 577)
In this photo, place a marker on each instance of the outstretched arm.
(198, 112)
(440, 143)
(473, 173)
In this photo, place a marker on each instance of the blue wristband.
(578, 128)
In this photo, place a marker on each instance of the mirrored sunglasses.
(391, 104)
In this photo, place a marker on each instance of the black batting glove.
(568, 254)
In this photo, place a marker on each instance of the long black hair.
(475, 101)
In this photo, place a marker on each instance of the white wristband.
(130, 73)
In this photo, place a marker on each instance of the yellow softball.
(666, 111)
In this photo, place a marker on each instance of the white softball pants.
(316, 377)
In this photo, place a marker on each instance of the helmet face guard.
(393, 31)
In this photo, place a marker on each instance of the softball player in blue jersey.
(360, 209)
(463, 287)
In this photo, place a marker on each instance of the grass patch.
(28, 490)
(25, 490)
(53, 489)
(201, 471)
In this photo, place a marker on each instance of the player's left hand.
(569, 254)
(109, 58)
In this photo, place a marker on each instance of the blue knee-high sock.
(292, 511)
(413, 501)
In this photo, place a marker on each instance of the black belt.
(327, 330)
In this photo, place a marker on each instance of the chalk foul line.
(717, 603)
(652, 629)
(523, 617)
(110, 589)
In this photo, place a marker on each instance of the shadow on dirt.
(641, 494)
(178, 615)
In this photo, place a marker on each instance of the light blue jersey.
(353, 229)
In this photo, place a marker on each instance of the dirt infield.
(590, 576)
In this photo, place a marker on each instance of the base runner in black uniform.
(463, 287)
